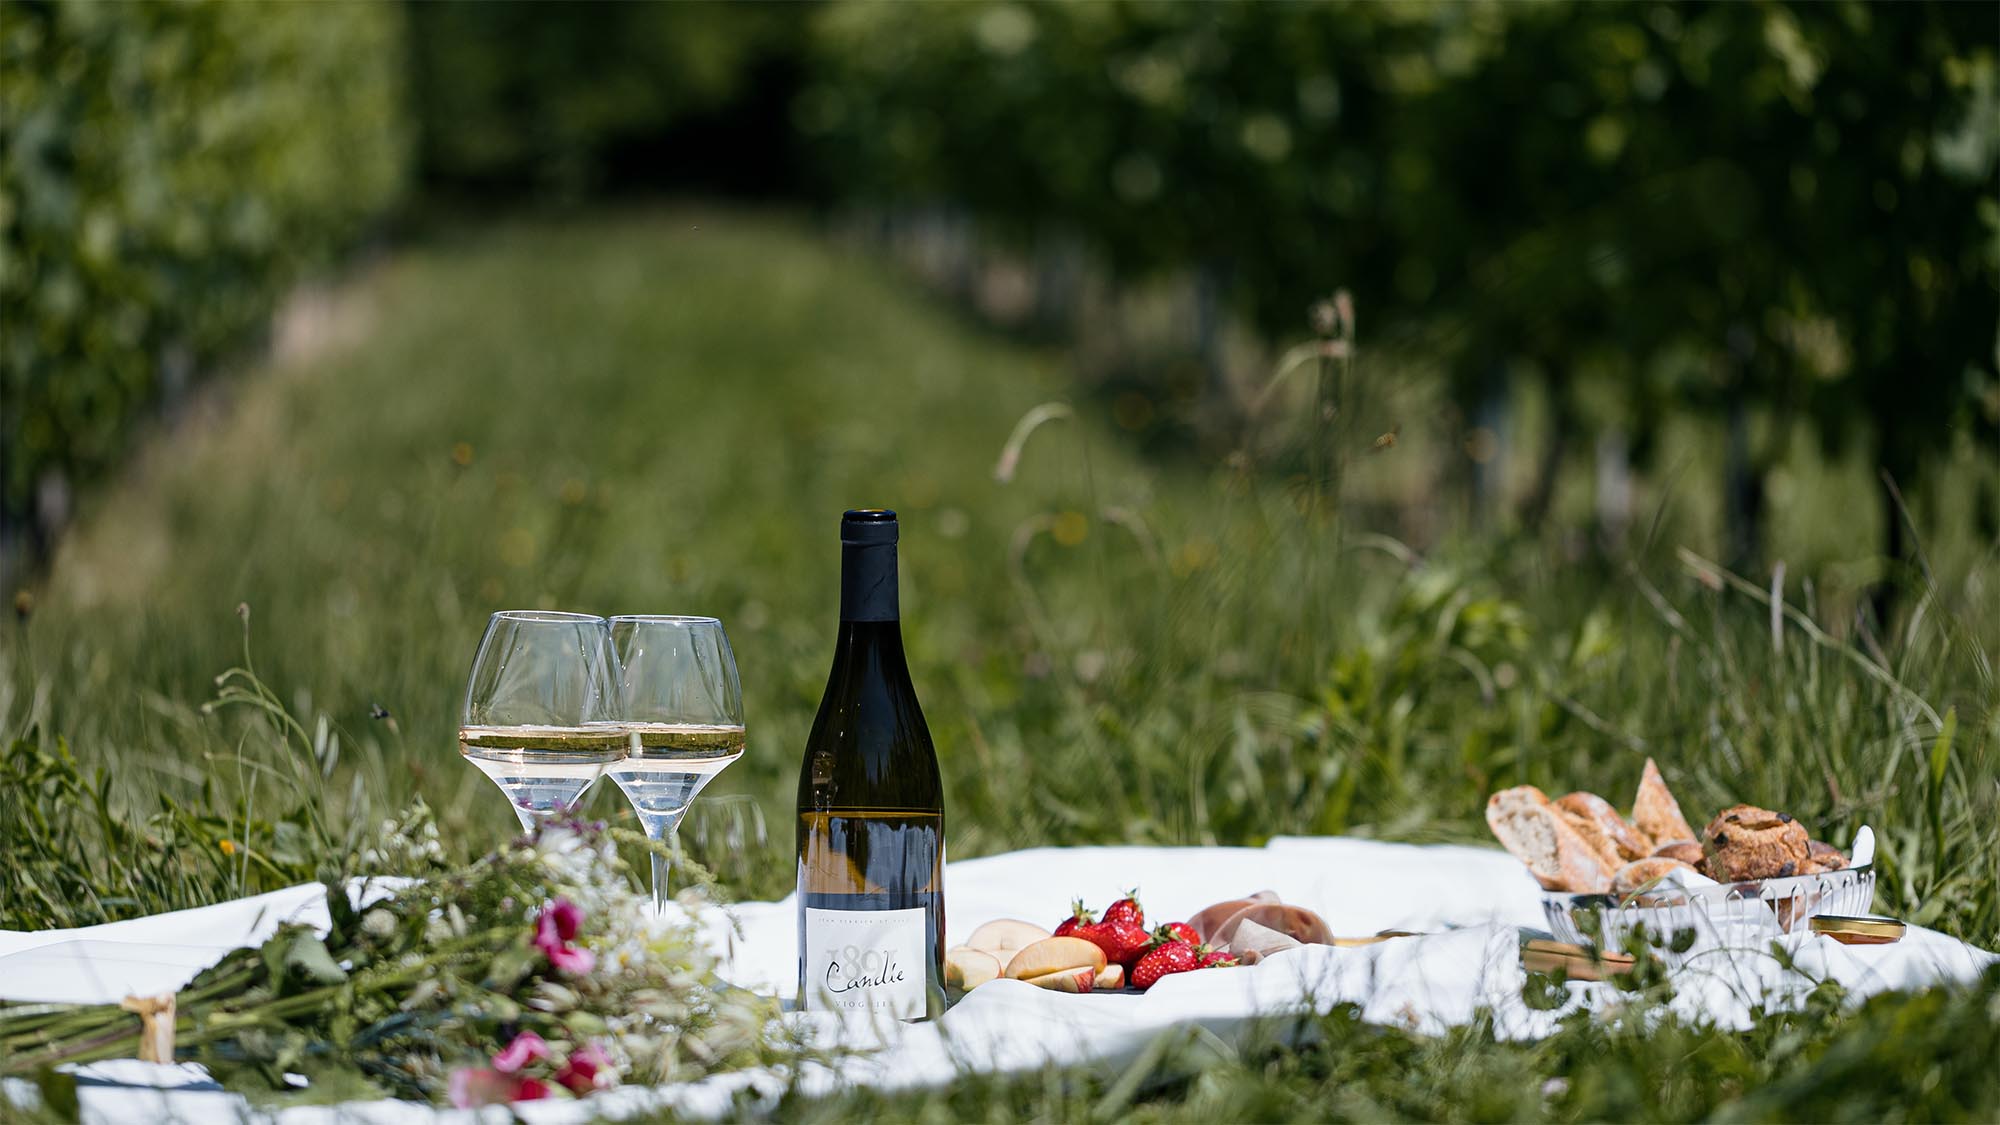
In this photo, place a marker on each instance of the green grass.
(666, 411)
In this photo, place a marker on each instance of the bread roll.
(1529, 826)
(1745, 842)
(1656, 812)
(1604, 829)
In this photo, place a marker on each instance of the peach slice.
(1110, 978)
(1003, 936)
(1065, 980)
(969, 968)
(1054, 954)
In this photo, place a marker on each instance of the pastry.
(1823, 857)
(1601, 825)
(1210, 919)
(1655, 811)
(1687, 851)
(1252, 942)
(1530, 826)
(1639, 873)
(1746, 842)
(1294, 921)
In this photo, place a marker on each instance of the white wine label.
(866, 961)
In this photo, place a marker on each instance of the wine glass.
(681, 707)
(540, 685)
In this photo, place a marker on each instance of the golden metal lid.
(1854, 930)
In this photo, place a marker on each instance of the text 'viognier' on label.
(868, 960)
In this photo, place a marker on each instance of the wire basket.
(1726, 913)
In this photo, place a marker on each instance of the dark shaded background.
(1778, 217)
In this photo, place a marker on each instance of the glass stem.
(660, 866)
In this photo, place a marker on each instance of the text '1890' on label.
(866, 961)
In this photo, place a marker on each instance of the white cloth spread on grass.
(1471, 903)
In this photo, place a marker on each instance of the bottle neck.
(868, 584)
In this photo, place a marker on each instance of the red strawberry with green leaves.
(1177, 931)
(1127, 909)
(1122, 942)
(1216, 959)
(1078, 917)
(1165, 960)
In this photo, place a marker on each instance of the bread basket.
(1728, 914)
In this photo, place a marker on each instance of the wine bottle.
(871, 808)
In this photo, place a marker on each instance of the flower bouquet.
(533, 972)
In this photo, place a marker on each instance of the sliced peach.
(1109, 978)
(1052, 954)
(969, 968)
(1003, 936)
(1065, 980)
(1000, 956)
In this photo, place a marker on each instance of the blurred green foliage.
(167, 170)
(1632, 210)
(1785, 207)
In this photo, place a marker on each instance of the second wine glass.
(681, 704)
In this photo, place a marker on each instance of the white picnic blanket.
(1470, 903)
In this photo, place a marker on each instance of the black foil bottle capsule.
(871, 808)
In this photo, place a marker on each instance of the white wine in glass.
(665, 764)
(542, 770)
(680, 705)
(539, 688)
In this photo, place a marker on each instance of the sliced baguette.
(1656, 812)
(1592, 838)
(1529, 826)
(1604, 829)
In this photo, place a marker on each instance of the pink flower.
(477, 1085)
(555, 928)
(527, 1047)
(572, 959)
(547, 937)
(588, 1068)
(568, 918)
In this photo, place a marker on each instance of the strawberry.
(1122, 942)
(1078, 917)
(1166, 959)
(1177, 931)
(1127, 909)
(1216, 959)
